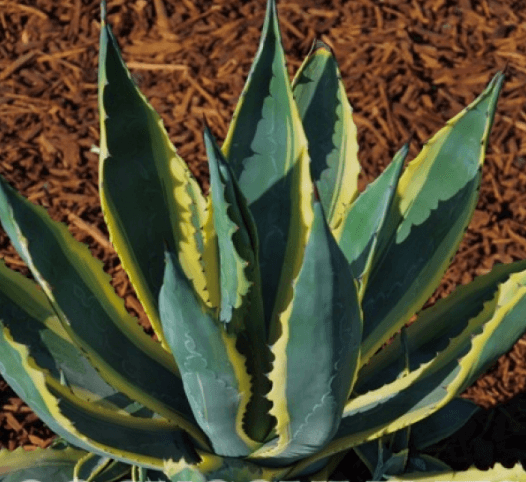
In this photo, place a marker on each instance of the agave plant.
(270, 297)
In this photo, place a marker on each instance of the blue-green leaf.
(213, 371)
(235, 239)
(435, 200)
(96, 468)
(147, 191)
(440, 425)
(267, 150)
(443, 423)
(240, 281)
(331, 133)
(49, 464)
(434, 328)
(145, 442)
(30, 320)
(316, 350)
(368, 214)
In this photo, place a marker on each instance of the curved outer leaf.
(238, 248)
(49, 464)
(94, 468)
(88, 426)
(443, 423)
(436, 198)
(28, 319)
(123, 437)
(367, 216)
(213, 371)
(488, 334)
(440, 425)
(316, 355)
(434, 328)
(27, 315)
(147, 191)
(267, 150)
(331, 133)
(496, 474)
(28, 381)
(91, 313)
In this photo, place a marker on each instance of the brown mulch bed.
(408, 66)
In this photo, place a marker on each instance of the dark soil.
(408, 66)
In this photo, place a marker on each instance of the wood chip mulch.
(408, 66)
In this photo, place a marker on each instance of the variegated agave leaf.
(270, 297)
